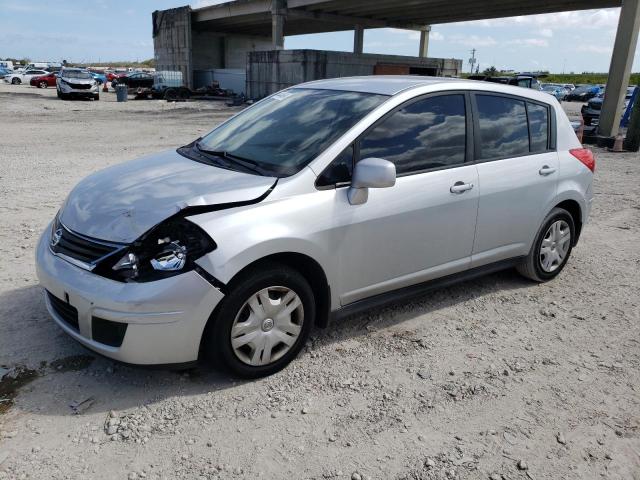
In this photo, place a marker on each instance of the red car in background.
(44, 81)
(116, 75)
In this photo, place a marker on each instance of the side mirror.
(370, 173)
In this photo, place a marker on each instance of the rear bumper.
(164, 319)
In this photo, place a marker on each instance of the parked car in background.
(99, 77)
(111, 75)
(76, 83)
(591, 111)
(525, 81)
(134, 80)
(557, 91)
(8, 64)
(583, 93)
(49, 66)
(210, 248)
(4, 72)
(569, 86)
(44, 81)
(25, 77)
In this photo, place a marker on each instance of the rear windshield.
(77, 74)
(284, 132)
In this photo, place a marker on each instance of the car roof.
(380, 84)
(394, 84)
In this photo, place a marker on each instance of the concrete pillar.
(358, 39)
(424, 42)
(624, 50)
(278, 8)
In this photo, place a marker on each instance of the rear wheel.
(171, 94)
(263, 323)
(43, 85)
(552, 247)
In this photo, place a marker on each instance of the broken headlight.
(166, 250)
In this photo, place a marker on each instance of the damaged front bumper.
(159, 322)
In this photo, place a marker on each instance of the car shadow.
(33, 344)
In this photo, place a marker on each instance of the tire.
(43, 85)
(246, 358)
(171, 94)
(16, 81)
(58, 93)
(184, 94)
(540, 266)
(96, 97)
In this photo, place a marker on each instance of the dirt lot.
(495, 378)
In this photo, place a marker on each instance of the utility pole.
(472, 60)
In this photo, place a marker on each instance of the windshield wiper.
(247, 163)
(220, 155)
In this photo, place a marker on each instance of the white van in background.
(6, 64)
(43, 66)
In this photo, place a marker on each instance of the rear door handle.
(546, 170)
(460, 187)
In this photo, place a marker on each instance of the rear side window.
(426, 134)
(503, 127)
(538, 127)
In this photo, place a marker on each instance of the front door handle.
(546, 170)
(460, 187)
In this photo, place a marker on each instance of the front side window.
(426, 134)
(339, 171)
(503, 128)
(284, 132)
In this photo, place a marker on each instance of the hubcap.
(267, 326)
(555, 246)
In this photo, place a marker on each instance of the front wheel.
(16, 81)
(551, 248)
(263, 322)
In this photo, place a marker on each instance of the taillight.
(585, 156)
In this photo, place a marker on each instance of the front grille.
(64, 310)
(79, 247)
(108, 332)
(80, 86)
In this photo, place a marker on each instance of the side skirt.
(412, 291)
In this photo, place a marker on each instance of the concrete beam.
(358, 39)
(424, 42)
(231, 9)
(351, 20)
(624, 50)
(278, 12)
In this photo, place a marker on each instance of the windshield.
(284, 132)
(77, 74)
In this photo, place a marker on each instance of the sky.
(109, 30)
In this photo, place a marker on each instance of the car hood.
(122, 202)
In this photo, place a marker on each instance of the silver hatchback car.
(316, 202)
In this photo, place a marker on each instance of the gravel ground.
(495, 378)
